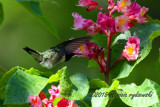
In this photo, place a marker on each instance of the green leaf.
(21, 85)
(1, 74)
(156, 105)
(42, 1)
(147, 33)
(102, 100)
(56, 100)
(144, 95)
(56, 77)
(98, 83)
(75, 87)
(92, 63)
(158, 64)
(1, 14)
(33, 6)
(123, 36)
(100, 97)
(100, 40)
(5, 78)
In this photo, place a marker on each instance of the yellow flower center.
(121, 21)
(130, 50)
(82, 48)
(124, 3)
(143, 12)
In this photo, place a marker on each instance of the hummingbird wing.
(68, 47)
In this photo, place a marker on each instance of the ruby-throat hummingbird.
(60, 53)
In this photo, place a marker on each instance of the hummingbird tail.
(29, 50)
(34, 53)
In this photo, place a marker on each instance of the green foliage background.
(20, 28)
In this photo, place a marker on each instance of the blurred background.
(20, 28)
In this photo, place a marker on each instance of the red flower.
(106, 22)
(85, 3)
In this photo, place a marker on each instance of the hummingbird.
(60, 53)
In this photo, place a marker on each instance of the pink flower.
(90, 50)
(123, 5)
(141, 18)
(35, 101)
(121, 23)
(131, 49)
(93, 29)
(54, 92)
(106, 22)
(80, 23)
(47, 103)
(85, 3)
(134, 9)
(62, 103)
(137, 13)
(93, 51)
(111, 4)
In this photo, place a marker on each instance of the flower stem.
(100, 65)
(108, 58)
(115, 63)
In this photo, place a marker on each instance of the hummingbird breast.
(51, 58)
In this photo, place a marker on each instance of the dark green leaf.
(33, 6)
(149, 90)
(21, 85)
(1, 14)
(158, 64)
(146, 33)
(74, 88)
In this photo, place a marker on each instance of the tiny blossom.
(131, 49)
(47, 103)
(35, 101)
(54, 92)
(85, 3)
(90, 50)
(137, 13)
(106, 22)
(141, 18)
(78, 21)
(121, 23)
(123, 5)
(93, 51)
(134, 9)
(84, 24)
(111, 4)
(63, 102)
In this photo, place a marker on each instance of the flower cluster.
(131, 13)
(37, 100)
(93, 51)
(131, 49)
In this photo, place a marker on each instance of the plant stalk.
(108, 58)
